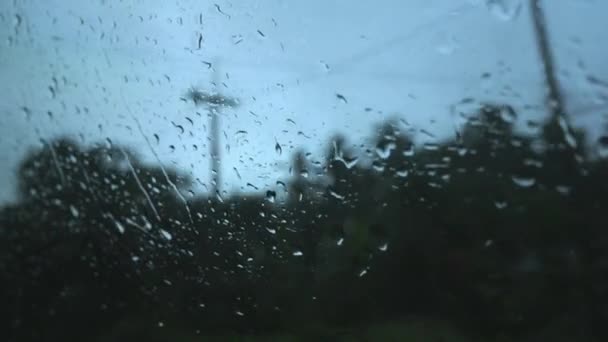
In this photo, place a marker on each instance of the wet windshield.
(303, 170)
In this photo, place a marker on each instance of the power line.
(345, 64)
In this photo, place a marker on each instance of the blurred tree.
(491, 228)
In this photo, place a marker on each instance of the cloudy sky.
(104, 68)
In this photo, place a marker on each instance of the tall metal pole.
(555, 99)
(216, 168)
(559, 129)
(214, 102)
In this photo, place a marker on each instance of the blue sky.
(130, 61)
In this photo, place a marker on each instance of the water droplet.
(74, 211)
(500, 204)
(120, 227)
(166, 235)
(402, 173)
(430, 147)
(108, 143)
(570, 140)
(504, 10)
(341, 98)
(362, 272)
(161, 324)
(52, 92)
(271, 230)
(239, 313)
(17, 20)
(278, 149)
(336, 195)
(524, 182)
(533, 162)
(179, 127)
(303, 134)
(383, 247)
(219, 10)
(271, 196)
(378, 166)
(297, 253)
(409, 152)
(336, 232)
(349, 162)
(508, 114)
(384, 149)
(563, 189)
(325, 66)
(339, 156)
(27, 112)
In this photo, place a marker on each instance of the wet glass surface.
(312, 170)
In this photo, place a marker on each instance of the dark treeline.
(498, 233)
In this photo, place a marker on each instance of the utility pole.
(555, 99)
(214, 102)
(558, 129)
(214, 146)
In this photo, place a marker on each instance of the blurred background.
(280, 170)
